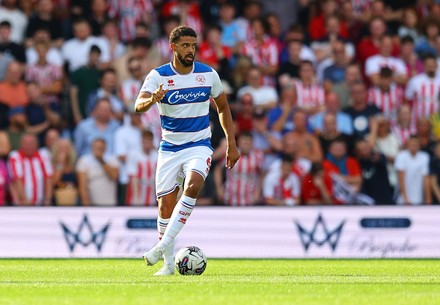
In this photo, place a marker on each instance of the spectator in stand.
(141, 50)
(360, 110)
(12, 88)
(434, 174)
(232, 34)
(317, 26)
(54, 56)
(263, 96)
(51, 137)
(5, 181)
(404, 126)
(281, 186)
(330, 132)
(48, 77)
(98, 16)
(323, 46)
(215, 54)
(275, 31)
(265, 140)
(317, 187)
(410, 25)
(110, 37)
(83, 82)
(244, 114)
(4, 62)
(17, 126)
(242, 186)
(162, 45)
(385, 59)
(426, 45)
(308, 144)
(129, 13)
(18, 21)
(64, 178)
(354, 25)
(188, 12)
(370, 45)
(296, 33)
(127, 139)
(337, 162)
(409, 57)
(375, 174)
(141, 169)
(130, 87)
(98, 175)
(423, 90)
(427, 141)
(252, 10)
(44, 18)
(382, 140)
(412, 166)
(100, 124)
(281, 117)
(40, 114)
(76, 50)
(262, 50)
(309, 95)
(107, 89)
(335, 68)
(343, 120)
(31, 174)
(289, 69)
(342, 89)
(386, 95)
(9, 47)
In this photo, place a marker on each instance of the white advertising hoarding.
(252, 232)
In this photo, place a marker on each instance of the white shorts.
(172, 167)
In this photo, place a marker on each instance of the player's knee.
(192, 189)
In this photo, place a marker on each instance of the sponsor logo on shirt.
(176, 96)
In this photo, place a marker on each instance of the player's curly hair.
(181, 31)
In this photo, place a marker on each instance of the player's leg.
(196, 168)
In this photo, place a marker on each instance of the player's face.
(185, 50)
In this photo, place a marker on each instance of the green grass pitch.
(114, 281)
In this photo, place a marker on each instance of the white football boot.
(152, 256)
(167, 269)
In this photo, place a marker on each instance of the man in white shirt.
(18, 20)
(412, 167)
(76, 50)
(384, 59)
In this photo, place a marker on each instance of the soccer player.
(182, 90)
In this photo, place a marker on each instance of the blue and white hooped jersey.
(184, 111)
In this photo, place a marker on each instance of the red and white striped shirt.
(309, 96)
(143, 167)
(129, 89)
(424, 93)
(242, 180)
(129, 13)
(387, 101)
(33, 172)
(403, 133)
(264, 54)
(163, 46)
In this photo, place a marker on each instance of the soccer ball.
(190, 261)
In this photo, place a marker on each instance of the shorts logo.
(200, 79)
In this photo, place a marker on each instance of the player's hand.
(159, 94)
(232, 156)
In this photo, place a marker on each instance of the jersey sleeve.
(151, 82)
(217, 87)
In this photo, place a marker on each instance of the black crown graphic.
(85, 235)
(320, 234)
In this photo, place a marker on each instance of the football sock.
(168, 256)
(181, 213)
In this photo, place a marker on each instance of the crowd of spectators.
(334, 101)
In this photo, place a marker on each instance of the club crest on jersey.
(200, 79)
(170, 83)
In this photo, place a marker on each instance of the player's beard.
(186, 61)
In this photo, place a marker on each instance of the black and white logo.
(319, 234)
(85, 235)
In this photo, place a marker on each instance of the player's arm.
(145, 100)
(225, 117)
